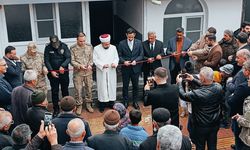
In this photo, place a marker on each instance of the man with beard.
(14, 70)
(106, 59)
(215, 52)
(228, 45)
(178, 46)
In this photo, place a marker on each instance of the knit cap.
(37, 97)
(111, 117)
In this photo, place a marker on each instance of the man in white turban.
(106, 59)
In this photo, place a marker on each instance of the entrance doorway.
(101, 20)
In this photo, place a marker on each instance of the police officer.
(82, 60)
(57, 58)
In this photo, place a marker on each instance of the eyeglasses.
(12, 122)
(3, 65)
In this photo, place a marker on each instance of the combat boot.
(89, 108)
(79, 110)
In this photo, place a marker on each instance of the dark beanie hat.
(67, 103)
(111, 117)
(161, 115)
(37, 97)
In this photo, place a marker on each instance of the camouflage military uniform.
(36, 63)
(82, 78)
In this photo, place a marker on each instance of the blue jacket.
(171, 48)
(76, 146)
(5, 92)
(61, 123)
(14, 73)
(136, 134)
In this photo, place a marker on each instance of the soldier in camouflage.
(82, 61)
(34, 60)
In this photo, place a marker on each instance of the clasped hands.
(107, 66)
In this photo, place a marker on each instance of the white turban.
(105, 38)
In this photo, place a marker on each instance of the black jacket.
(206, 104)
(125, 54)
(109, 140)
(235, 102)
(165, 96)
(5, 140)
(61, 123)
(151, 142)
(158, 50)
(56, 58)
(34, 116)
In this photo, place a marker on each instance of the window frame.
(35, 20)
(34, 33)
(185, 16)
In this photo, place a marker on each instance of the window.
(246, 10)
(70, 19)
(18, 23)
(45, 20)
(188, 14)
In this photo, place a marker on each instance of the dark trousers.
(205, 134)
(174, 73)
(236, 130)
(126, 77)
(63, 80)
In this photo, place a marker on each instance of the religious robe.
(105, 77)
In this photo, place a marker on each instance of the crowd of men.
(209, 82)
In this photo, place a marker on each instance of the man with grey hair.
(76, 131)
(110, 139)
(153, 52)
(228, 45)
(169, 137)
(236, 101)
(21, 97)
(21, 136)
(5, 87)
(206, 108)
(241, 56)
(5, 123)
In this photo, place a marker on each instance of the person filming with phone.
(206, 107)
(163, 95)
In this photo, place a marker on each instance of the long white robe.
(106, 78)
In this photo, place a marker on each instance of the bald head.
(3, 66)
(76, 128)
(5, 120)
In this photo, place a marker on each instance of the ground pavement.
(225, 136)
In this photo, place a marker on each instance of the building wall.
(222, 14)
(21, 46)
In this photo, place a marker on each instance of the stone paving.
(225, 136)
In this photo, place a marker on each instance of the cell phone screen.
(47, 119)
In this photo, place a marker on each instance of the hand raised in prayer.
(105, 66)
(113, 65)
